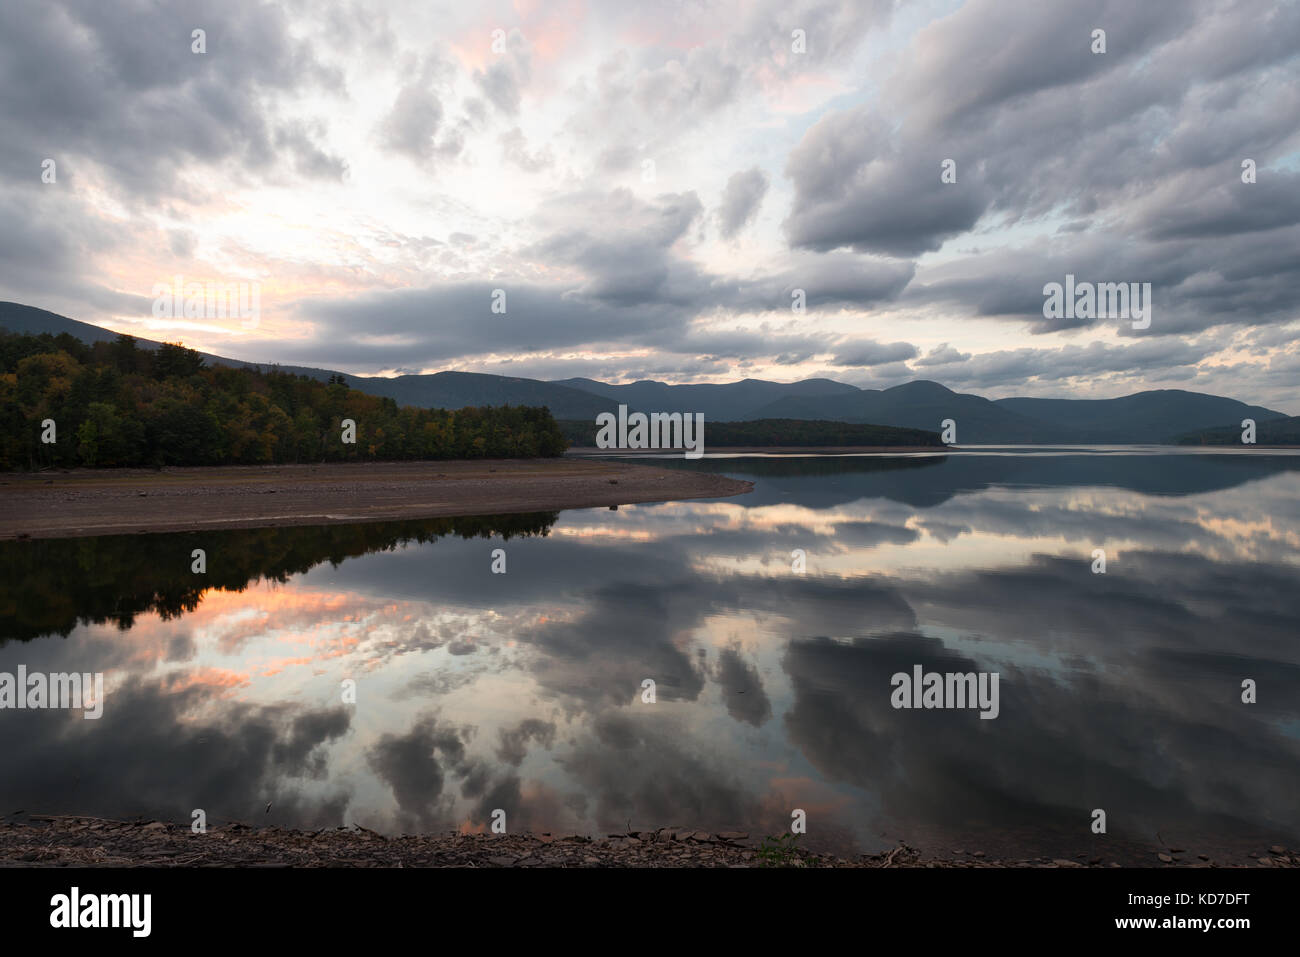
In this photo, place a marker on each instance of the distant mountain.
(1284, 431)
(921, 405)
(1144, 418)
(454, 390)
(1141, 419)
(728, 402)
(15, 317)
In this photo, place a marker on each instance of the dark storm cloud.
(853, 190)
(855, 737)
(115, 96)
(624, 245)
(1128, 162)
(1219, 208)
(876, 353)
(834, 279)
(1169, 601)
(230, 767)
(416, 765)
(433, 325)
(740, 201)
(1195, 284)
(628, 631)
(47, 239)
(514, 741)
(1168, 681)
(1052, 365)
(297, 754)
(632, 286)
(638, 624)
(742, 688)
(1054, 124)
(1022, 49)
(1147, 137)
(643, 769)
(844, 723)
(118, 86)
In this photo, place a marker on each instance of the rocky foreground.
(67, 841)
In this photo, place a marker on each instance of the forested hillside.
(114, 404)
(1272, 432)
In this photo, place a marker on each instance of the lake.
(385, 675)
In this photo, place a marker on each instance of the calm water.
(523, 690)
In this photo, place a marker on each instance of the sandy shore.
(74, 503)
(73, 841)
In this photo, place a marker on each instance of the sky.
(651, 191)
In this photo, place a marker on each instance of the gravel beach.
(73, 841)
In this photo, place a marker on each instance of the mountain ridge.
(1148, 417)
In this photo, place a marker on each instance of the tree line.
(766, 433)
(1269, 432)
(115, 404)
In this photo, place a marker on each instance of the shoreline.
(79, 841)
(588, 451)
(84, 502)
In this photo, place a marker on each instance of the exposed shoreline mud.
(75, 503)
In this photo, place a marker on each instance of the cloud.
(338, 159)
(514, 741)
(1032, 141)
(743, 688)
(514, 148)
(853, 190)
(629, 283)
(230, 767)
(876, 353)
(413, 123)
(1085, 362)
(503, 82)
(119, 88)
(942, 355)
(740, 201)
(415, 765)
